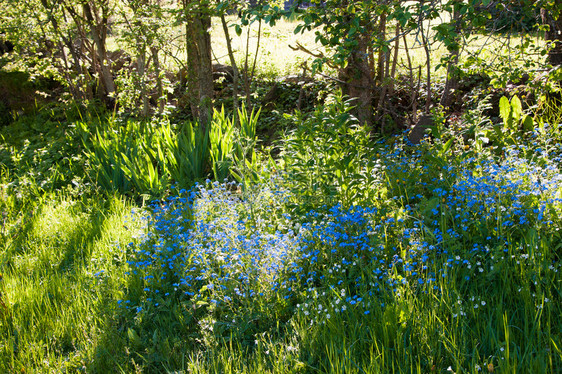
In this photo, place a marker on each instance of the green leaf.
(133, 337)
(505, 109)
(516, 108)
(528, 123)
(447, 146)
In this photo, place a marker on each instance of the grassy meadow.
(157, 246)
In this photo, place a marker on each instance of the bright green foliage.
(42, 153)
(221, 136)
(247, 166)
(146, 157)
(515, 123)
(329, 157)
(512, 114)
(60, 273)
(453, 260)
(127, 156)
(233, 151)
(188, 153)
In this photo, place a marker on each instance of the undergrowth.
(347, 254)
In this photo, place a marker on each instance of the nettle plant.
(329, 157)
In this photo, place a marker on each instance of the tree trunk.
(452, 81)
(199, 62)
(206, 88)
(98, 28)
(359, 82)
(553, 35)
(162, 99)
(234, 67)
(141, 71)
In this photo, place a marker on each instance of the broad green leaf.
(516, 108)
(505, 109)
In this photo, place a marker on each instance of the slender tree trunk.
(395, 58)
(162, 99)
(199, 62)
(141, 70)
(192, 69)
(75, 92)
(359, 80)
(452, 81)
(382, 55)
(247, 70)
(425, 43)
(206, 89)
(234, 67)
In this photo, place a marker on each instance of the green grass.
(58, 307)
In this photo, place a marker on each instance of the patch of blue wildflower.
(235, 258)
(466, 223)
(216, 250)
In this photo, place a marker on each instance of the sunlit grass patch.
(56, 303)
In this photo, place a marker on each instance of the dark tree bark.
(359, 81)
(236, 73)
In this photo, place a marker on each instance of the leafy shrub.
(233, 151)
(42, 155)
(329, 157)
(222, 135)
(187, 153)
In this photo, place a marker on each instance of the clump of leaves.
(329, 157)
